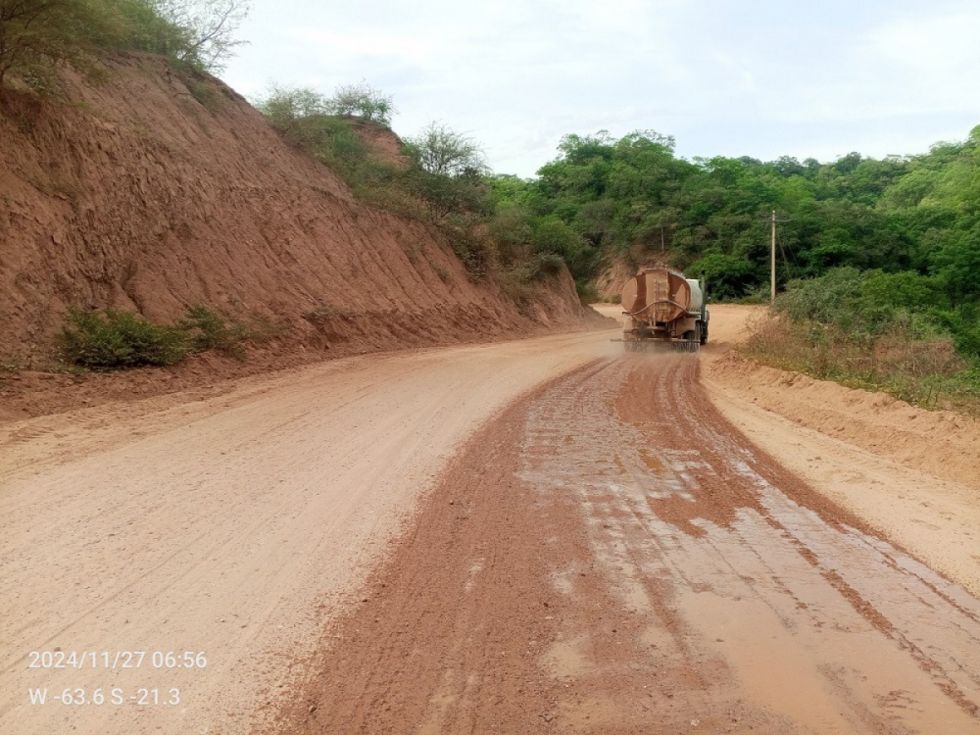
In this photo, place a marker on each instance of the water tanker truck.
(662, 307)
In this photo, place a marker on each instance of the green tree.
(363, 101)
(957, 263)
(206, 29)
(726, 275)
(441, 151)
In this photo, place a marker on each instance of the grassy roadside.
(879, 332)
(924, 373)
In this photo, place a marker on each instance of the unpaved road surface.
(231, 526)
(611, 556)
(607, 554)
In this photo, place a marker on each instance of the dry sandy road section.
(233, 526)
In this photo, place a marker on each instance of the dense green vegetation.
(916, 219)
(879, 259)
(632, 196)
(885, 331)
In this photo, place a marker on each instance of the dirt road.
(608, 554)
(611, 556)
(233, 526)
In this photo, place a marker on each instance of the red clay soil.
(611, 556)
(382, 144)
(610, 282)
(150, 193)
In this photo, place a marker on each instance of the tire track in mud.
(609, 555)
(914, 606)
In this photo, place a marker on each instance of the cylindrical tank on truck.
(662, 306)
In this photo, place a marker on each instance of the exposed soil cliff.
(148, 193)
(609, 283)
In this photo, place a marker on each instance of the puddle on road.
(736, 605)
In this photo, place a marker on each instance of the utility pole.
(663, 236)
(772, 253)
(772, 261)
(663, 233)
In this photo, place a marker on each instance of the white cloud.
(755, 78)
(930, 62)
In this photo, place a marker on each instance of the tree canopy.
(442, 151)
(912, 220)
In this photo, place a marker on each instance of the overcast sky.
(763, 79)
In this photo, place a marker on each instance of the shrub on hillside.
(511, 229)
(302, 113)
(963, 322)
(206, 329)
(546, 264)
(727, 276)
(38, 35)
(117, 339)
(35, 36)
(448, 195)
(586, 290)
(442, 151)
(444, 185)
(473, 250)
(310, 120)
(108, 340)
(363, 101)
(304, 117)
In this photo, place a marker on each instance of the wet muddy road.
(609, 555)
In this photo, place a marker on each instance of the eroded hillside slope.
(144, 193)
